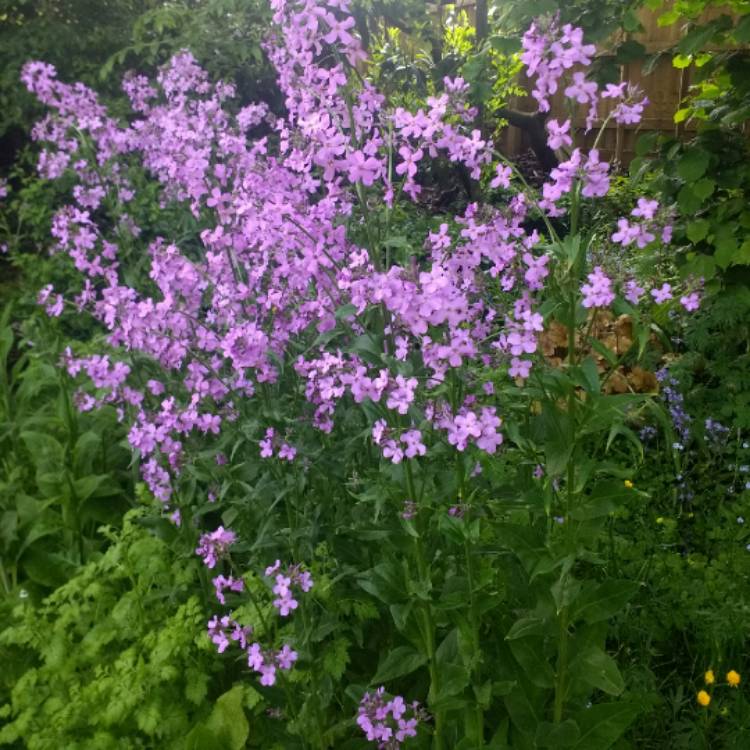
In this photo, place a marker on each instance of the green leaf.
(506, 45)
(693, 164)
(704, 188)
(726, 245)
(628, 51)
(682, 61)
(741, 32)
(228, 721)
(346, 311)
(604, 723)
(604, 601)
(646, 143)
(688, 201)
(698, 230)
(606, 497)
(591, 373)
(521, 540)
(46, 452)
(399, 662)
(557, 444)
(696, 39)
(596, 668)
(526, 626)
(529, 654)
(524, 709)
(668, 18)
(742, 256)
(565, 734)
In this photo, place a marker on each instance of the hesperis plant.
(292, 316)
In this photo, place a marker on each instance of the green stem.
(428, 622)
(4, 578)
(564, 615)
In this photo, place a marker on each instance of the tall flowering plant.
(294, 362)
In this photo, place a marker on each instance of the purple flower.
(502, 177)
(414, 445)
(214, 545)
(519, 368)
(598, 292)
(222, 583)
(663, 294)
(388, 722)
(691, 302)
(633, 292)
(558, 134)
(410, 510)
(292, 576)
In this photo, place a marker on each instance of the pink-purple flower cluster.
(267, 661)
(291, 577)
(389, 722)
(224, 630)
(275, 265)
(222, 583)
(271, 443)
(214, 545)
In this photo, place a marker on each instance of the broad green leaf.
(565, 590)
(557, 443)
(599, 670)
(704, 188)
(524, 709)
(692, 164)
(399, 662)
(668, 18)
(606, 497)
(523, 541)
(726, 245)
(529, 654)
(698, 230)
(605, 600)
(346, 311)
(688, 201)
(526, 626)
(741, 32)
(46, 451)
(228, 721)
(565, 734)
(603, 724)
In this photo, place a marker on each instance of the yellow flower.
(733, 678)
(704, 698)
(628, 484)
(709, 677)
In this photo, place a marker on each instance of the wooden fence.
(664, 85)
